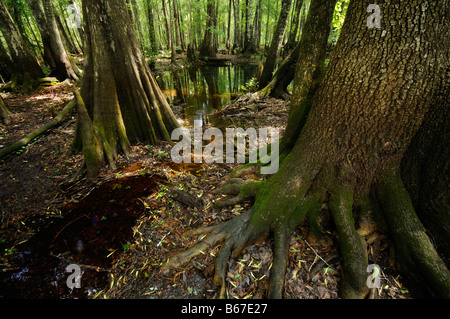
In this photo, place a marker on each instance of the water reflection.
(205, 89)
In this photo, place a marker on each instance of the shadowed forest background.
(91, 91)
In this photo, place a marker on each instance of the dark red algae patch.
(90, 230)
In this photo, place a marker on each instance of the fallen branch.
(31, 136)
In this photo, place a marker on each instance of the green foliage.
(338, 20)
(250, 86)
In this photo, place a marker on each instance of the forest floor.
(42, 188)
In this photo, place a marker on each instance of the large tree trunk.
(376, 92)
(121, 96)
(25, 66)
(275, 46)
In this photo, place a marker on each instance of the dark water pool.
(87, 234)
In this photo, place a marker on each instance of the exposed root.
(413, 247)
(229, 231)
(244, 190)
(278, 210)
(352, 248)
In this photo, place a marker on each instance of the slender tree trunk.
(68, 34)
(122, 99)
(249, 46)
(237, 25)
(257, 27)
(228, 41)
(176, 20)
(170, 44)
(151, 28)
(275, 46)
(290, 44)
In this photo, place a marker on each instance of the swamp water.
(206, 89)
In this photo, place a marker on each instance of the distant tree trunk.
(306, 60)
(228, 41)
(237, 25)
(290, 44)
(170, 44)
(277, 39)
(54, 52)
(151, 28)
(257, 27)
(122, 99)
(249, 45)
(375, 97)
(134, 14)
(176, 21)
(25, 66)
(207, 47)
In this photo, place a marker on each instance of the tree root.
(278, 211)
(413, 247)
(351, 246)
(236, 239)
(243, 189)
